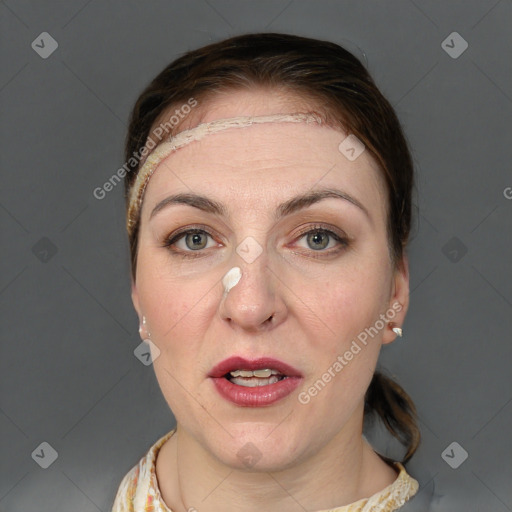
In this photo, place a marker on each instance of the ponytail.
(388, 400)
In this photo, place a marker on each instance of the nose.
(255, 302)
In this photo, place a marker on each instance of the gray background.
(68, 373)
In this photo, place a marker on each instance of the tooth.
(248, 383)
(254, 382)
(262, 373)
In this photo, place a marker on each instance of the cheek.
(349, 302)
(350, 298)
(342, 352)
(178, 314)
(176, 305)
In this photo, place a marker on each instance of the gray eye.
(318, 240)
(196, 241)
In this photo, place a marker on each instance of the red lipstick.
(250, 390)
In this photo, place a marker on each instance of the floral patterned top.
(139, 492)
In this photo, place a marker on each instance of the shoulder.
(422, 501)
(125, 495)
(139, 485)
(400, 492)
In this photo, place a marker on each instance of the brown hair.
(343, 93)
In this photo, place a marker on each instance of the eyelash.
(171, 240)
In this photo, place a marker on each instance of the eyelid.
(342, 239)
(175, 236)
(340, 236)
(323, 227)
(193, 227)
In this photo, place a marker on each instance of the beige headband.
(186, 137)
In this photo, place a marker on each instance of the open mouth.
(254, 378)
(254, 383)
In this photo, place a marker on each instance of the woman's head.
(315, 215)
(321, 76)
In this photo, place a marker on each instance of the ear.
(135, 299)
(399, 299)
(136, 305)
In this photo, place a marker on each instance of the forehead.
(263, 164)
(260, 160)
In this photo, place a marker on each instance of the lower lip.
(255, 397)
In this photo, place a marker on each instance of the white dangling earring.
(143, 328)
(397, 331)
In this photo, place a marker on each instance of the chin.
(260, 449)
(250, 459)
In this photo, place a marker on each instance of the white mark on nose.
(231, 279)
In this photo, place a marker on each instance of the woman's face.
(315, 275)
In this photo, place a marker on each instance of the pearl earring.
(143, 327)
(397, 331)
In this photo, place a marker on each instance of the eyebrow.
(287, 208)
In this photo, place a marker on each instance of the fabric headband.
(185, 137)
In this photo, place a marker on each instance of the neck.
(345, 470)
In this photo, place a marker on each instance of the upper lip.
(240, 363)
